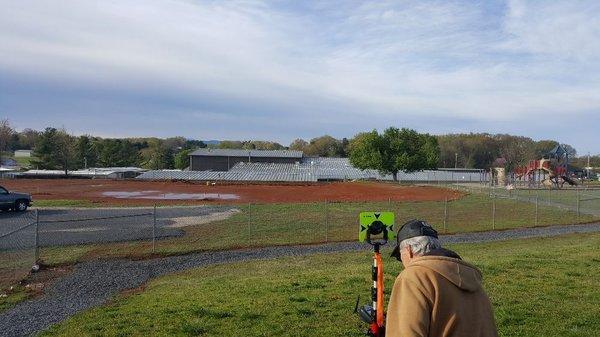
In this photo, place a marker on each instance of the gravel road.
(93, 283)
(70, 227)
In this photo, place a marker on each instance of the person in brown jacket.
(437, 294)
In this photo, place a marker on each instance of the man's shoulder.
(416, 274)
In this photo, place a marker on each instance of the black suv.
(15, 201)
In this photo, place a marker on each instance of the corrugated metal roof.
(308, 169)
(91, 172)
(246, 153)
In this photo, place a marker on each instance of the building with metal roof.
(225, 159)
(309, 169)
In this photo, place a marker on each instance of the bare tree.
(6, 133)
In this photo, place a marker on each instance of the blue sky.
(278, 70)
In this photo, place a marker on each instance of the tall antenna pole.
(588, 165)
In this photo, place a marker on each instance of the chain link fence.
(56, 236)
(61, 236)
(582, 200)
(18, 247)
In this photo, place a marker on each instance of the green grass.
(24, 161)
(8, 299)
(304, 223)
(589, 199)
(539, 287)
(64, 203)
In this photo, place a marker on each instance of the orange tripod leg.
(377, 327)
(380, 306)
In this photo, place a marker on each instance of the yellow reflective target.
(367, 219)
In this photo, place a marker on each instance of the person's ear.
(410, 252)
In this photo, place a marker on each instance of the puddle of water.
(128, 195)
(157, 195)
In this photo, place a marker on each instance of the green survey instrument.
(372, 224)
(375, 223)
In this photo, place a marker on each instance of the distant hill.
(211, 142)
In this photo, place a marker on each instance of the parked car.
(15, 201)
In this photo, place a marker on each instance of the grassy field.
(16, 295)
(64, 203)
(539, 287)
(24, 161)
(588, 196)
(284, 224)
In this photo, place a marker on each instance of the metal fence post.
(37, 236)
(445, 214)
(578, 202)
(536, 208)
(326, 221)
(493, 214)
(154, 230)
(249, 220)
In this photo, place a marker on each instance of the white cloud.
(561, 30)
(387, 59)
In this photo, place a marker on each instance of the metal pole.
(578, 202)
(37, 236)
(536, 208)
(249, 219)
(326, 221)
(445, 214)
(154, 230)
(493, 214)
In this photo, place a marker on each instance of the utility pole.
(455, 159)
(589, 168)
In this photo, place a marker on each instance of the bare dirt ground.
(133, 192)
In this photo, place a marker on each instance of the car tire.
(21, 205)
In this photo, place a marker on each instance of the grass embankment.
(588, 197)
(284, 224)
(64, 203)
(539, 287)
(24, 162)
(13, 296)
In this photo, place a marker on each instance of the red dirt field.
(133, 192)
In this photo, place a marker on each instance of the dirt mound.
(134, 192)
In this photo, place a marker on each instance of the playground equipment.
(552, 170)
(371, 224)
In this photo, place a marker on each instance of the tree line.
(56, 149)
(482, 150)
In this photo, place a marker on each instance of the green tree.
(542, 147)
(157, 156)
(45, 149)
(54, 150)
(298, 145)
(394, 150)
(182, 159)
(27, 139)
(65, 151)
(86, 154)
(129, 154)
(108, 150)
(324, 146)
(118, 153)
(231, 144)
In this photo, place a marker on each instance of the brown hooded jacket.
(439, 296)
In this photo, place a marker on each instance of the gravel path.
(93, 283)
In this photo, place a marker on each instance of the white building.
(22, 153)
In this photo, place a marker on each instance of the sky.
(279, 70)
